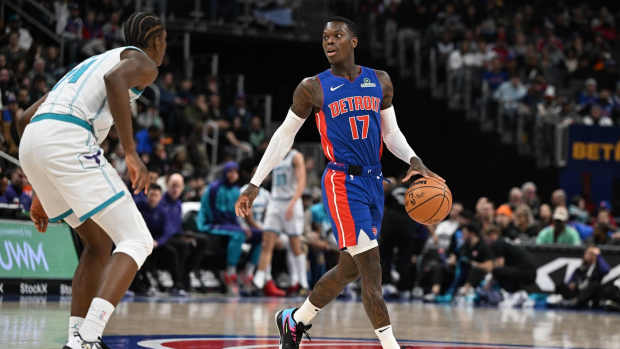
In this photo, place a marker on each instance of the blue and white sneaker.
(291, 332)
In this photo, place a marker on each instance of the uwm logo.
(20, 255)
(355, 103)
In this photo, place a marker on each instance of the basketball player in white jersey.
(285, 214)
(72, 181)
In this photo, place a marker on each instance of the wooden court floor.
(221, 322)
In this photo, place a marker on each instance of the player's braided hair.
(140, 27)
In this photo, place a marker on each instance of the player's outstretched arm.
(280, 143)
(134, 70)
(393, 137)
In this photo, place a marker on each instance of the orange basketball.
(428, 200)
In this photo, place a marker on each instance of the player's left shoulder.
(383, 77)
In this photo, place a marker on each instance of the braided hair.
(140, 27)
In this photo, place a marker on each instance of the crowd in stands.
(536, 58)
(525, 58)
(485, 255)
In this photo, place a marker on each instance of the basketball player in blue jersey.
(61, 155)
(354, 115)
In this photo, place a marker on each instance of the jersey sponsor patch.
(367, 83)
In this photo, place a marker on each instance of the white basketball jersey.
(82, 93)
(284, 182)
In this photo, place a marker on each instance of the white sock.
(75, 322)
(292, 267)
(231, 270)
(249, 269)
(386, 337)
(268, 273)
(302, 271)
(98, 315)
(306, 312)
(259, 279)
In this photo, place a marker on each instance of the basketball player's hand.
(138, 173)
(290, 209)
(418, 167)
(38, 215)
(245, 200)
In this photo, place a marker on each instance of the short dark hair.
(154, 186)
(350, 24)
(140, 27)
(473, 227)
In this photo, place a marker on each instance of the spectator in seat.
(504, 220)
(605, 205)
(443, 232)
(257, 133)
(495, 77)
(73, 31)
(190, 247)
(559, 232)
(530, 197)
(165, 255)
(515, 198)
(217, 216)
(476, 260)
(13, 52)
(606, 103)
(584, 286)
(601, 232)
(596, 117)
(92, 34)
(524, 223)
(589, 96)
(514, 267)
(15, 192)
(558, 198)
(578, 209)
(510, 93)
(239, 110)
(8, 116)
(15, 26)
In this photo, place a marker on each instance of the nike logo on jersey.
(334, 88)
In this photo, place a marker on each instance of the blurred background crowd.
(519, 68)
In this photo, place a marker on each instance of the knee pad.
(137, 249)
(127, 229)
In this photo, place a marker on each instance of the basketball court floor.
(222, 322)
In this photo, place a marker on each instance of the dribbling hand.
(138, 173)
(418, 167)
(38, 215)
(245, 200)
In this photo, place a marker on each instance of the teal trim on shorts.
(136, 90)
(61, 216)
(105, 204)
(66, 118)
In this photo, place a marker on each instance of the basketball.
(428, 200)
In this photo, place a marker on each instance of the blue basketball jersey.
(349, 120)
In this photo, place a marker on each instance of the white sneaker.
(194, 281)
(79, 343)
(554, 299)
(418, 292)
(164, 278)
(74, 342)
